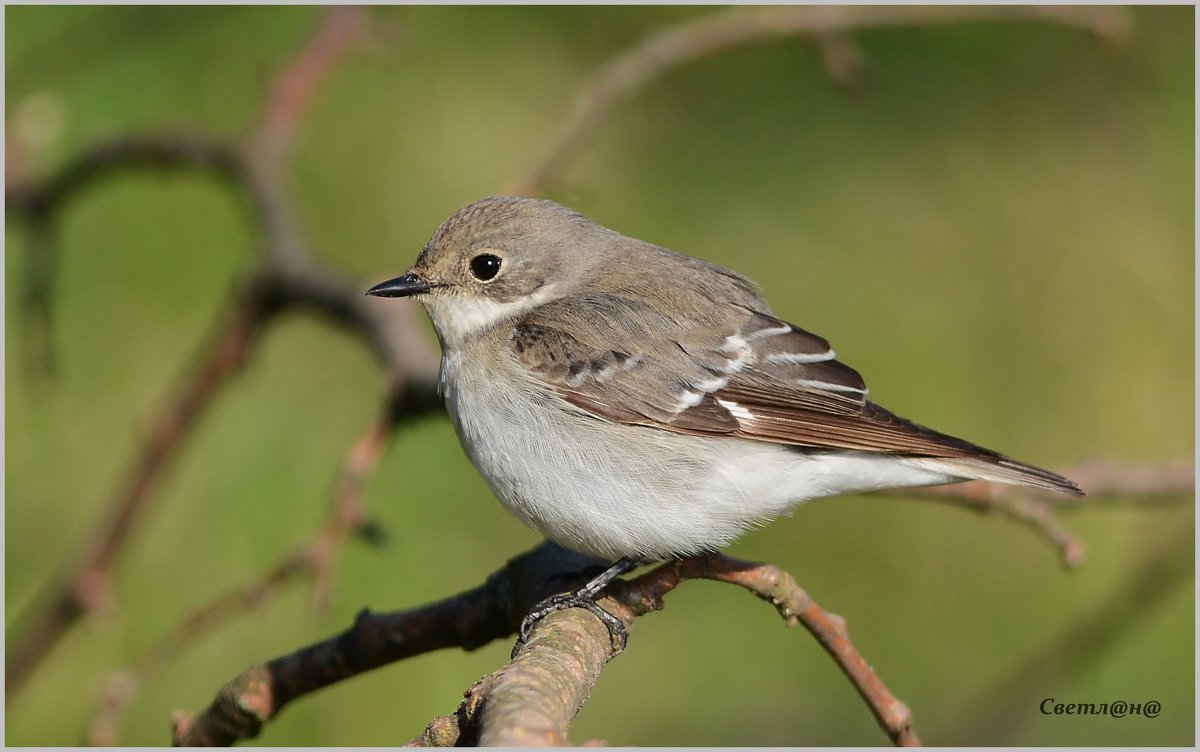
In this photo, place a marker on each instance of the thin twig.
(269, 142)
(314, 559)
(40, 203)
(295, 86)
(122, 687)
(681, 45)
(348, 514)
(1104, 480)
(468, 620)
(995, 714)
(282, 280)
(795, 606)
(87, 586)
(531, 701)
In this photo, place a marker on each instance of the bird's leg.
(584, 597)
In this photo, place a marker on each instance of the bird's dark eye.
(485, 266)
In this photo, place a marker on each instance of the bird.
(635, 404)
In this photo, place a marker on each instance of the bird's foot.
(616, 628)
(584, 597)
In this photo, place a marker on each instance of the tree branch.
(40, 203)
(284, 279)
(296, 85)
(795, 606)
(519, 705)
(86, 586)
(659, 54)
(995, 713)
(468, 620)
(314, 559)
(122, 687)
(532, 700)
(1104, 480)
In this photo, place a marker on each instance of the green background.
(997, 231)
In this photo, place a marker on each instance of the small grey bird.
(635, 404)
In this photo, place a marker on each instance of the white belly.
(612, 490)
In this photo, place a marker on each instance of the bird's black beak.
(401, 287)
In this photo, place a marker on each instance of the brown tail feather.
(1001, 470)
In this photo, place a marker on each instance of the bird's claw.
(616, 628)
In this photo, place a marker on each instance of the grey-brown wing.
(756, 378)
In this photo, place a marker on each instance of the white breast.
(612, 490)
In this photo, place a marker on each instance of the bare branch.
(270, 141)
(996, 712)
(86, 586)
(314, 559)
(122, 687)
(661, 53)
(297, 84)
(780, 589)
(532, 700)
(285, 279)
(115, 157)
(410, 398)
(40, 203)
(1104, 480)
(468, 620)
(1143, 484)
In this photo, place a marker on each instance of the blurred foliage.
(997, 232)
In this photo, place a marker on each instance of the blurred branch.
(659, 54)
(116, 157)
(314, 559)
(995, 713)
(1104, 480)
(291, 96)
(286, 278)
(121, 688)
(269, 142)
(348, 514)
(1107, 481)
(534, 697)
(40, 202)
(468, 620)
(87, 585)
(780, 589)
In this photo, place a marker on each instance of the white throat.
(458, 317)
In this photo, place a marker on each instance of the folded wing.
(755, 377)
